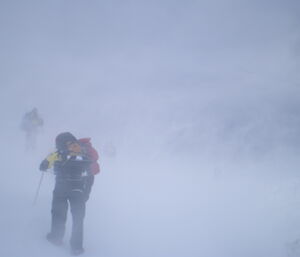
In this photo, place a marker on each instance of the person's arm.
(49, 161)
(89, 181)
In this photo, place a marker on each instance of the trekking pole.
(38, 188)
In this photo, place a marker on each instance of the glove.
(44, 165)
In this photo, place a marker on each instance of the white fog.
(192, 105)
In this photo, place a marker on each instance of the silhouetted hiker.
(75, 164)
(31, 123)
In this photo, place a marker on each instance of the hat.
(62, 139)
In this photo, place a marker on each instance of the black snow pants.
(68, 192)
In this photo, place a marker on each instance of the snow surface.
(157, 204)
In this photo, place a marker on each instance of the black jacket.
(72, 172)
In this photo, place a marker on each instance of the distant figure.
(75, 164)
(31, 123)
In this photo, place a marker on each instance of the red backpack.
(92, 154)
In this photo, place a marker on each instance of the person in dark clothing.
(74, 179)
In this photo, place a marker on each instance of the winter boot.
(77, 251)
(54, 240)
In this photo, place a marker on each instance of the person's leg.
(31, 139)
(27, 141)
(59, 218)
(77, 203)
